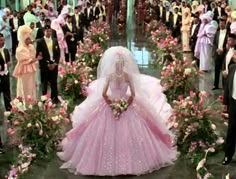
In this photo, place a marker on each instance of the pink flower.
(62, 111)
(220, 98)
(191, 93)
(15, 123)
(180, 97)
(10, 131)
(66, 120)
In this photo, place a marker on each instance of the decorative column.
(3, 3)
(17, 5)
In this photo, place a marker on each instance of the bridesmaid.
(186, 23)
(25, 68)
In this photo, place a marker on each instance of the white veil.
(107, 63)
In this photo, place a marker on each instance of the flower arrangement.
(100, 26)
(74, 80)
(38, 124)
(89, 54)
(163, 45)
(24, 160)
(178, 78)
(152, 27)
(195, 131)
(118, 106)
(98, 33)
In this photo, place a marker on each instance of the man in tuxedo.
(5, 62)
(193, 33)
(49, 49)
(159, 11)
(78, 22)
(168, 18)
(71, 39)
(231, 42)
(14, 23)
(220, 52)
(229, 102)
(88, 13)
(40, 33)
(176, 23)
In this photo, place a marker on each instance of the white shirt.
(161, 11)
(50, 49)
(88, 12)
(234, 86)
(193, 29)
(77, 19)
(5, 72)
(167, 16)
(221, 39)
(15, 23)
(175, 19)
(69, 25)
(228, 58)
(219, 11)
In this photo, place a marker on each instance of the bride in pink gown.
(138, 142)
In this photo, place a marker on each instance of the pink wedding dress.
(136, 144)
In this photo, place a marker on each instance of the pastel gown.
(100, 145)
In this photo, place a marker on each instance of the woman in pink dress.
(60, 37)
(136, 142)
(25, 68)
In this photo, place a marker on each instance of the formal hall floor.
(134, 39)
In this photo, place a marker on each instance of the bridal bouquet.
(118, 106)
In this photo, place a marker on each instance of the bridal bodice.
(118, 89)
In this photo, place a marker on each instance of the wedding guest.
(220, 43)
(168, 16)
(5, 63)
(5, 29)
(176, 23)
(14, 23)
(229, 102)
(71, 39)
(40, 33)
(25, 68)
(99, 11)
(88, 12)
(231, 42)
(159, 11)
(49, 49)
(204, 45)
(78, 22)
(186, 23)
(194, 29)
(60, 38)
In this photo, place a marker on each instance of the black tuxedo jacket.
(40, 33)
(178, 22)
(12, 24)
(216, 41)
(81, 20)
(7, 59)
(69, 40)
(194, 36)
(98, 11)
(169, 23)
(228, 88)
(42, 47)
(88, 17)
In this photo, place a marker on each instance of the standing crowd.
(39, 38)
(208, 31)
